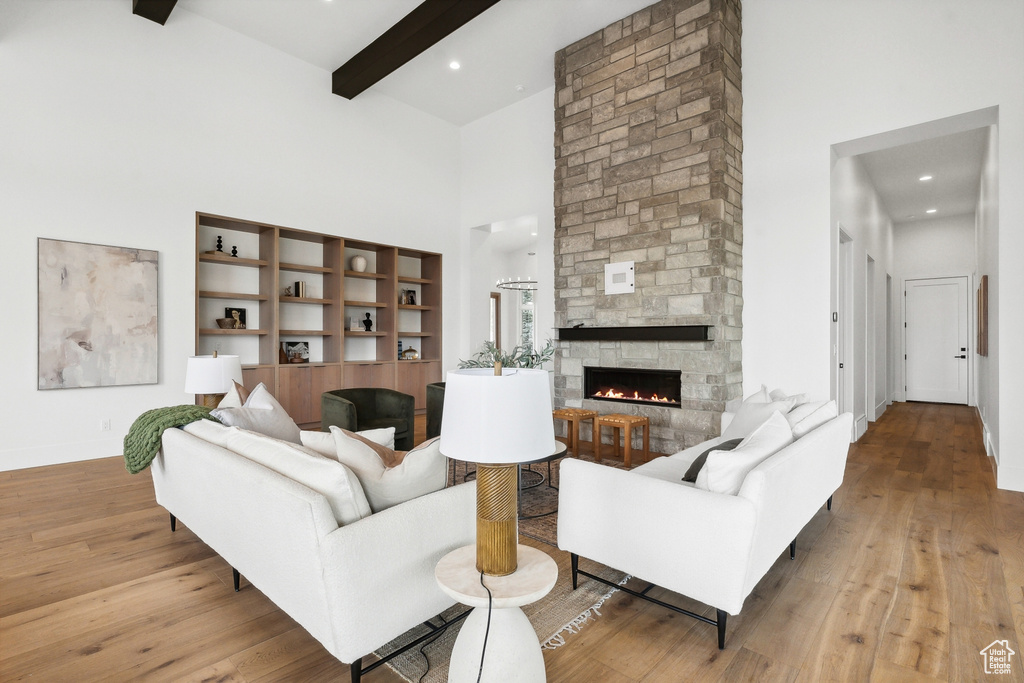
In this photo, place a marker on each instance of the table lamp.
(496, 419)
(211, 376)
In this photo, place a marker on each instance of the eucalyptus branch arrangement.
(518, 357)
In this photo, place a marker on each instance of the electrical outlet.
(105, 425)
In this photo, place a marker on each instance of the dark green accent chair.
(360, 409)
(435, 406)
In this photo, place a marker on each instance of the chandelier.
(517, 284)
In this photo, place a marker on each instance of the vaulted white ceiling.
(506, 53)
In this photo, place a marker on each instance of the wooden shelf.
(365, 276)
(233, 260)
(304, 300)
(300, 268)
(365, 304)
(233, 295)
(347, 357)
(232, 332)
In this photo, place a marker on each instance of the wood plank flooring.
(919, 566)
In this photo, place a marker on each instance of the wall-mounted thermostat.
(618, 278)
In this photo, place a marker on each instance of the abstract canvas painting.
(97, 315)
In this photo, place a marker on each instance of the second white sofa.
(712, 547)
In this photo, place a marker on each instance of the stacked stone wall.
(648, 169)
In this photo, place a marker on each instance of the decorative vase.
(358, 263)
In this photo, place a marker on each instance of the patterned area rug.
(561, 613)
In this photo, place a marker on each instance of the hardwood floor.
(919, 566)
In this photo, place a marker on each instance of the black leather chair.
(370, 408)
(435, 406)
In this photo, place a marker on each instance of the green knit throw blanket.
(142, 442)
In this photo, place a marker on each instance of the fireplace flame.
(611, 393)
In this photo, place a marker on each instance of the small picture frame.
(295, 351)
(410, 297)
(236, 314)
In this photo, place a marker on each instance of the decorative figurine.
(288, 291)
(234, 251)
(220, 244)
(367, 323)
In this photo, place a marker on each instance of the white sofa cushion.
(391, 477)
(815, 419)
(260, 413)
(323, 442)
(724, 471)
(750, 416)
(759, 396)
(780, 395)
(336, 482)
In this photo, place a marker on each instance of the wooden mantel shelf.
(694, 333)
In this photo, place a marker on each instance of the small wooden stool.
(626, 423)
(573, 417)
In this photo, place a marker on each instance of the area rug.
(559, 615)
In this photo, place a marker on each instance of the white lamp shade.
(493, 419)
(212, 375)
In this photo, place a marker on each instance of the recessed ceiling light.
(931, 210)
(454, 66)
(924, 178)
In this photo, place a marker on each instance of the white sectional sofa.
(354, 586)
(710, 546)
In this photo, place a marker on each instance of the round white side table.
(513, 650)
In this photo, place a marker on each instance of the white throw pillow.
(235, 397)
(389, 477)
(724, 471)
(323, 442)
(750, 416)
(337, 483)
(817, 418)
(759, 396)
(801, 411)
(261, 413)
(780, 395)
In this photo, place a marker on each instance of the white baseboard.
(860, 426)
(880, 408)
(40, 456)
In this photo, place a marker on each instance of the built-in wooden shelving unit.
(327, 322)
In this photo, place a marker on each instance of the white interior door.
(936, 340)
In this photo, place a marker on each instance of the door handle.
(959, 356)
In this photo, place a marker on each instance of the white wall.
(820, 73)
(508, 167)
(116, 130)
(939, 247)
(856, 205)
(987, 252)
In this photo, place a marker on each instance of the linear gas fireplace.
(633, 385)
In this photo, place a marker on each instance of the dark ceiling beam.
(154, 10)
(425, 26)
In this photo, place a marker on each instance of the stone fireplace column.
(648, 169)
